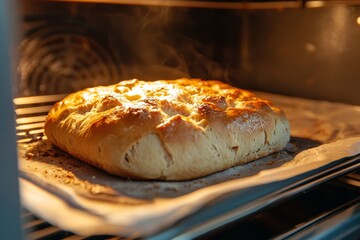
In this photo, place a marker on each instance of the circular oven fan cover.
(63, 58)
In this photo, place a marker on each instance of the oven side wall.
(9, 187)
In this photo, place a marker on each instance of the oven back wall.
(312, 53)
(309, 53)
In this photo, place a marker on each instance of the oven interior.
(306, 49)
(298, 51)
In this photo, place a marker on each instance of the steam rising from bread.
(158, 51)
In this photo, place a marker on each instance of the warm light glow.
(310, 47)
(358, 20)
(315, 4)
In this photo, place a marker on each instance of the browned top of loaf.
(164, 104)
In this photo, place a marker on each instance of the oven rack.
(217, 215)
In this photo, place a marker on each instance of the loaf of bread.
(168, 129)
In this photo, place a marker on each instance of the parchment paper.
(88, 201)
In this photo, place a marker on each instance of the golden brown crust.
(169, 129)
